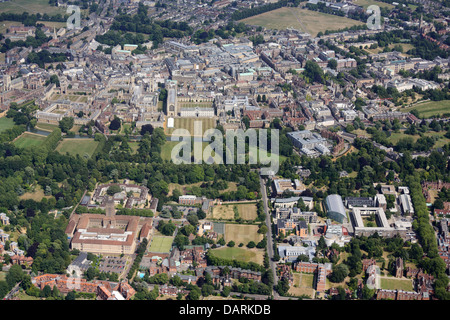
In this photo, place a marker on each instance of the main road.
(270, 252)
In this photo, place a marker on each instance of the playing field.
(242, 233)
(247, 211)
(189, 123)
(309, 21)
(6, 123)
(30, 6)
(28, 139)
(160, 244)
(431, 108)
(303, 284)
(366, 3)
(240, 254)
(77, 146)
(396, 284)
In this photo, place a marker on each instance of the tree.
(65, 124)
(340, 272)
(194, 294)
(231, 244)
(332, 64)
(46, 292)
(146, 128)
(112, 190)
(15, 275)
(207, 290)
(251, 244)
(115, 124)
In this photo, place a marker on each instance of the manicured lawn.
(160, 244)
(240, 254)
(46, 126)
(396, 284)
(431, 108)
(242, 233)
(189, 123)
(309, 21)
(6, 123)
(77, 146)
(27, 140)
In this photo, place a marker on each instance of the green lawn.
(27, 140)
(46, 126)
(240, 254)
(442, 140)
(6, 123)
(309, 21)
(134, 146)
(189, 123)
(366, 3)
(4, 25)
(77, 146)
(166, 150)
(431, 108)
(30, 6)
(160, 244)
(396, 284)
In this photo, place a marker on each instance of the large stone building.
(107, 234)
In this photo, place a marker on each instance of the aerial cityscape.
(224, 151)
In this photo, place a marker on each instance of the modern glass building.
(335, 208)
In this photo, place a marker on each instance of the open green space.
(303, 284)
(247, 211)
(160, 244)
(189, 123)
(396, 284)
(430, 108)
(4, 25)
(46, 126)
(81, 147)
(306, 20)
(6, 123)
(366, 3)
(28, 139)
(442, 140)
(242, 233)
(166, 149)
(30, 6)
(240, 254)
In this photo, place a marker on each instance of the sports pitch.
(306, 20)
(161, 244)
